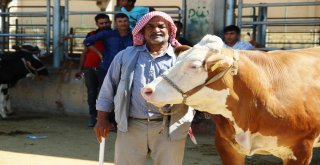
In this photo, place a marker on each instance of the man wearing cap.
(141, 128)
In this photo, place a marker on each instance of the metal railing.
(8, 35)
(259, 22)
(56, 30)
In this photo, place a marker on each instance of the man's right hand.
(102, 127)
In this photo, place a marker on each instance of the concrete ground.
(70, 142)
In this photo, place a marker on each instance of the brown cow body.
(272, 105)
(277, 95)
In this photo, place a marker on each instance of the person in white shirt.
(232, 37)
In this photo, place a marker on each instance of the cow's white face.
(189, 71)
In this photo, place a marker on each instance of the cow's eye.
(196, 65)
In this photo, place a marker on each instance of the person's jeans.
(92, 84)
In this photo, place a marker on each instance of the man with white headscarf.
(141, 128)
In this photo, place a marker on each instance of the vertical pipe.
(56, 34)
(318, 32)
(66, 26)
(17, 31)
(48, 27)
(239, 21)
(230, 6)
(62, 25)
(3, 29)
(6, 29)
(254, 28)
(262, 29)
(184, 17)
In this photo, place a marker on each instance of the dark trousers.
(102, 74)
(92, 84)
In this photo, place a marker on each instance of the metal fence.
(16, 33)
(55, 34)
(265, 31)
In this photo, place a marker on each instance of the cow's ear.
(216, 60)
(181, 49)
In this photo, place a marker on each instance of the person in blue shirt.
(142, 129)
(114, 41)
(133, 12)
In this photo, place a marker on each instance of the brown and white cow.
(263, 102)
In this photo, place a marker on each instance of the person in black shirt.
(182, 40)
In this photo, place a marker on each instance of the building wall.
(59, 93)
(204, 17)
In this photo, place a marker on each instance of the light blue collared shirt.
(147, 68)
(241, 45)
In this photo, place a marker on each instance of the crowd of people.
(117, 63)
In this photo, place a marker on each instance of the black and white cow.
(15, 66)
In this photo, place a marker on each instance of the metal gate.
(55, 34)
(18, 33)
(259, 22)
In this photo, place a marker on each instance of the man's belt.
(147, 119)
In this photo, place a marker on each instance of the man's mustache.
(156, 34)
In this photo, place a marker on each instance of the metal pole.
(29, 14)
(262, 29)
(98, 12)
(230, 5)
(48, 34)
(17, 31)
(240, 3)
(184, 17)
(3, 29)
(56, 34)
(289, 22)
(282, 4)
(66, 26)
(254, 28)
(22, 35)
(62, 23)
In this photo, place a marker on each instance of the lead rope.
(26, 64)
(184, 96)
(169, 111)
(30, 68)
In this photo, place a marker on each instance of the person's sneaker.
(92, 122)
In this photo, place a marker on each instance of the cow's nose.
(147, 91)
